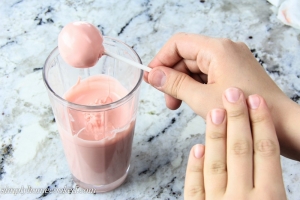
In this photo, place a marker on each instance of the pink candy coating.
(80, 44)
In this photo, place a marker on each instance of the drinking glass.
(97, 138)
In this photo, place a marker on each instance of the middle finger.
(239, 142)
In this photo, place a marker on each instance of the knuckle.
(241, 47)
(266, 147)
(226, 45)
(259, 118)
(196, 169)
(236, 114)
(176, 86)
(241, 44)
(241, 148)
(216, 135)
(226, 42)
(196, 190)
(223, 44)
(218, 167)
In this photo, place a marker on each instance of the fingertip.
(232, 94)
(258, 110)
(157, 78)
(154, 62)
(254, 101)
(145, 77)
(198, 151)
(217, 116)
(257, 104)
(172, 103)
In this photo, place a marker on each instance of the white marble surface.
(31, 150)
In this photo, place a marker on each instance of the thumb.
(178, 85)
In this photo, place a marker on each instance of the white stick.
(130, 62)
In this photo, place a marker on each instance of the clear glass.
(98, 157)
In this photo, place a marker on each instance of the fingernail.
(217, 116)
(158, 78)
(198, 151)
(254, 101)
(232, 94)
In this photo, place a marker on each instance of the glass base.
(102, 188)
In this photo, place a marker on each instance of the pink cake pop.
(80, 44)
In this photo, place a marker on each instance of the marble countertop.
(30, 147)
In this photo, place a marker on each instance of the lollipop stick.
(130, 62)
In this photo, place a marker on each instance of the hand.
(219, 63)
(197, 69)
(242, 159)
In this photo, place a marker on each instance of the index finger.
(184, 46)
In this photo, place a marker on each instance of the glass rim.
(94, 107)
